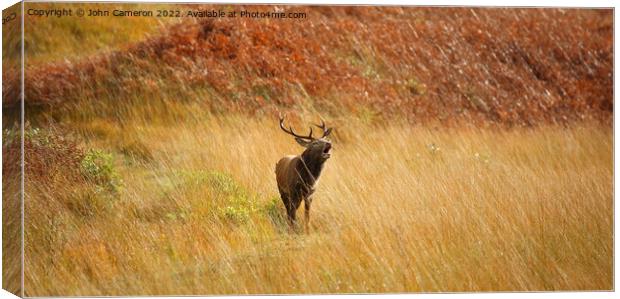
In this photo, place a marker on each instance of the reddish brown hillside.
(512, 66)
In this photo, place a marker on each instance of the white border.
(515, 3)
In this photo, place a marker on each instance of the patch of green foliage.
(98, 166)
(227, 199)
(239, 203)
(274, 210)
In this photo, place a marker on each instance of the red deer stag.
(297, 175)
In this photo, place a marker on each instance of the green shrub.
(274, 210)
(98, 167)
(235, 214)
(237, 202)
(226, 198)
(223, 184)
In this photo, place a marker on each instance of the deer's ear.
(302, 142)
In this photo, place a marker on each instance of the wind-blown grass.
(397, 209)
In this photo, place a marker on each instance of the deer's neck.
(311, 168)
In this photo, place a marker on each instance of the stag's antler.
(326, 131)
(290, 130)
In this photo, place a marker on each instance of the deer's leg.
(291, 216)
(290, 212)
(296, 204)
(307, 204)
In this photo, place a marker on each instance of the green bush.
(274, 210)
(98, 167)
(237, 202)
(226, 198)
(235, 214)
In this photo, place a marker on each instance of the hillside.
(447, 65)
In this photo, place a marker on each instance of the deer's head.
(316, 148)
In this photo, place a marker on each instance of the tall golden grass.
(398, 209)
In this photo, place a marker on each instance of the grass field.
(465, 157)
(398, 209)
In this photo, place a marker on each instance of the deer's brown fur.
(297, 175)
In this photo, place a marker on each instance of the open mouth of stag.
(327, 150)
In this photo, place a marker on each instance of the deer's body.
(297, 175)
